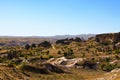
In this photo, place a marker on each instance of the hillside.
(97, 58)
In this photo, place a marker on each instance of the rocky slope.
(110, 37)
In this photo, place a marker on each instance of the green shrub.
(33, 45)
(11, 64)
(59, 52)
(69, 53)
(107, 67)
(83, 54)
(117, 51)
(107, 59)
(27, 46)
(2, 60)
(117, 57)
(50, 56)
(47, 52)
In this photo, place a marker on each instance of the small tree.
(33, 45)
(69, 53)
(50, 56)
(83, 54)
(47, 52)
(117, 51)
(12, 54)
(27, 46)
(59, 52)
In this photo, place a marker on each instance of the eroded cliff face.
(109, 38)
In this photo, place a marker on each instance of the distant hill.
(85, 36)
(22, 40)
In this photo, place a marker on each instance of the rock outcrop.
(109, 38)
(68, 41)
(63, 41)
(65, 62)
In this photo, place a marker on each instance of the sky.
(58, 17)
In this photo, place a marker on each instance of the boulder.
(116, 70)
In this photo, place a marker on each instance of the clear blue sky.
(58, 17)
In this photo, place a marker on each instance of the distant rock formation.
(109, 38)
(68, 41)
(63, 41)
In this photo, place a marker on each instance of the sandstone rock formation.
(64, 62)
